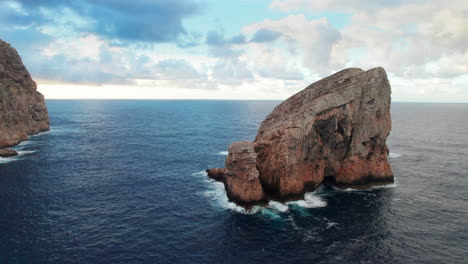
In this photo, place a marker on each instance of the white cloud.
(274, 63)
(412, 39)
(90, 60)
(341, 5)
(84, 47)
(231, 71)
(314, 39)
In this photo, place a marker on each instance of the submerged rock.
(333, 132)
(7, 153)
(22, 109)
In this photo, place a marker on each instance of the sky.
(242, 49)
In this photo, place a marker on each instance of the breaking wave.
(384, 186)
(311, 200)
(20, 155)
(277, 206)
(394, 155)
(217, 195)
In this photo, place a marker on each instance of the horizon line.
(195, 99)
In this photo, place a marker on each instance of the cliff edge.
(22, 109)
(334, 132)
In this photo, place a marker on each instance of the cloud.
(274, 63)
(91, 60)
(176, 69)
(231, 71)
(214, 38)
(87, 60)
(227, 49)
(412, 39)
(313, 39)
(265, 35)
(335, 5)
(119, 20)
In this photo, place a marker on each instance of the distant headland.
(23, 111)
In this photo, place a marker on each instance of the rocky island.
(23, 111)
(332, 132)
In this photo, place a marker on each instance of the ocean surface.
(124, 182)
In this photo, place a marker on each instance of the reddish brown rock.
(7, 153)
(22, 109)
(217, 174)
(333, 131)
(240, 177)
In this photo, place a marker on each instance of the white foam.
(28, 144)
(200, 173)
(18, 157)
(26, 152)
(7, 160)
(282, 208)
(60, 130)
(24, 143)
(223, 153)
(331, 224)
(383, 186)
(311, 200)
(394, 155)
(41, 133)
(217, 195)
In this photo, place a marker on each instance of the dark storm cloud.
(136, 20)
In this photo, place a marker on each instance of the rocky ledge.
(332, 132)
(4, 153)
(22, 109)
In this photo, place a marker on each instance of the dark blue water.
(122, 182)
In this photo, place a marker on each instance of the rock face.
(242, 181)
(7, 153)
(332, 132)
(22, 109)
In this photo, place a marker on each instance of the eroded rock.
(4, 153)
(333, 131)
(240, 177)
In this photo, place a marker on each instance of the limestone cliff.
(333, 132)
(22, 109)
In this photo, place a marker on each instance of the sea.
(123, 181)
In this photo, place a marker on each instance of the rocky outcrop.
(332, 132)
(240, 177)
(7, 153)
(22, 109)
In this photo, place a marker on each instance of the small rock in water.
(7, 153)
